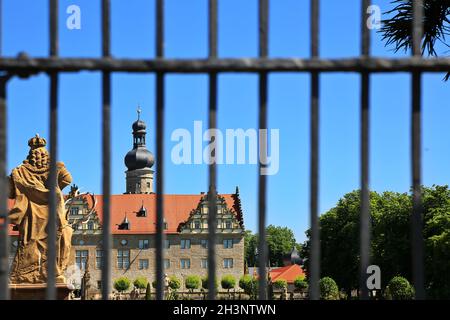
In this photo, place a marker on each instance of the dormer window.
(142, 212)
(125, 225)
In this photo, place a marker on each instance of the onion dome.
(139, 157)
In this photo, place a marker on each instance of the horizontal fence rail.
(27, 65)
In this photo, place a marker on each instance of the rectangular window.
(123, 259)
(143, 244)
(185, 263)
(228, 224)
(166, 244)
(228, 263)
(185, 244)
(98, 258)
(74, 211)
(204, 243)
(81, 257)
(166, 263)
(204, 263)
(143, 264)
(197, 224)
(228, 243)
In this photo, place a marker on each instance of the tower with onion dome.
(139, 161)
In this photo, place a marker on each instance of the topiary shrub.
(228, 282)
(280, 284)
(205, 283)
(301, 284)
(192, 282)
(154, 284)
(148, 292)
(174, 283)
(122, 284)
(140, 283)
(328, 289)
(246, 283)
(399, 288)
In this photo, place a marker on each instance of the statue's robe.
(29, 187)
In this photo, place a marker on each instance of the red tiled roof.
(177, 209)
(288, 273)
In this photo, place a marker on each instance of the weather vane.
(139, 110)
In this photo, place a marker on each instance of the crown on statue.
(37, 142)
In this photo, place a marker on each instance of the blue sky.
(25, 28)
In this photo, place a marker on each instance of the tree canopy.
(280, 241)
(390, 245)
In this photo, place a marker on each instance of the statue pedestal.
(37, 291)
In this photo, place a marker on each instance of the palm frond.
(397, 30)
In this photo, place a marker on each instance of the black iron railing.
(263, 65)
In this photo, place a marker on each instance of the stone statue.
(29, 186)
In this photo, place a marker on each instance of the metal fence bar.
(51, 237)
(374, 65)
(416, 157)
(365, 221)
(212, 121)
(4, 187)
(314, 263)
(159, 153)
(4, 224)
(262, 178)
(106, 155)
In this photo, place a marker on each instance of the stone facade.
(139, 181)
(133, 255)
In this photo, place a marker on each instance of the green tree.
(397, 28)
(205, 283)
(250, 245)
(140, 283)
(328, 289)
(399, 289)
(301, 284)
(148, 292)
(280, 241)
(391, 250)
(247, 283)
(122, 284)
(280, 284)
(228, 282)
(174, 283)
(436, 203)
(192, 282)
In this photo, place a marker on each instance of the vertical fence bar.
(51, 238)
(262, 178)
(212, 121)
(365, 221)
(4, 221)
(159, 153)
(416, 155)
(314, 263)
(106, 155)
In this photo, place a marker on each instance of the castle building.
(133, 228)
